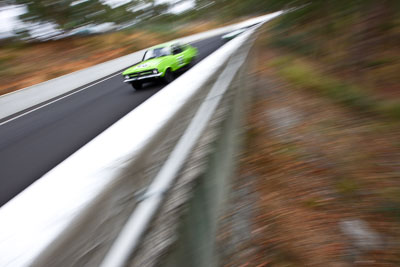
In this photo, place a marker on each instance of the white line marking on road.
(56, 100)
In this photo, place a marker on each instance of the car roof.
(165, 45)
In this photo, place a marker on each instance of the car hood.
(144, 65)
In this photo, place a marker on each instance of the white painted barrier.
(72, 215)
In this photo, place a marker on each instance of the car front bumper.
(150, 76)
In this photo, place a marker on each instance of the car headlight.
(126, 76)
(155, 71)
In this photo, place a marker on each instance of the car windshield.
(157, 52)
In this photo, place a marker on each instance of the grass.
(306, 76)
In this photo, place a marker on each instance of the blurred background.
(321, 163)
(355, 36)
(64, 36)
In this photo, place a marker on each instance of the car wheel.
(136, 85)
(192, 62)
(168, 77)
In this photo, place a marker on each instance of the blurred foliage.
(354, 42)
(63, 13)
(346, 50)
(306, 76)
(315, 27)
(69, 14)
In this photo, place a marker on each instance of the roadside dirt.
(318, 183)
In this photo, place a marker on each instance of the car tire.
(192, 62)
(136, 85)
(168, 77)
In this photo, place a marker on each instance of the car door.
(178, 57)
(187, 54)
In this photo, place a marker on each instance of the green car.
(159, 63)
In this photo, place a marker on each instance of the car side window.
(166, 51)
(176, 50)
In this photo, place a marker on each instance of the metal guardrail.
(137, 224)
(74, 214)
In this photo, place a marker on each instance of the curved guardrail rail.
(74, 214)
(129, 238)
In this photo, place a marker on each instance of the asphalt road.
(33, 144)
